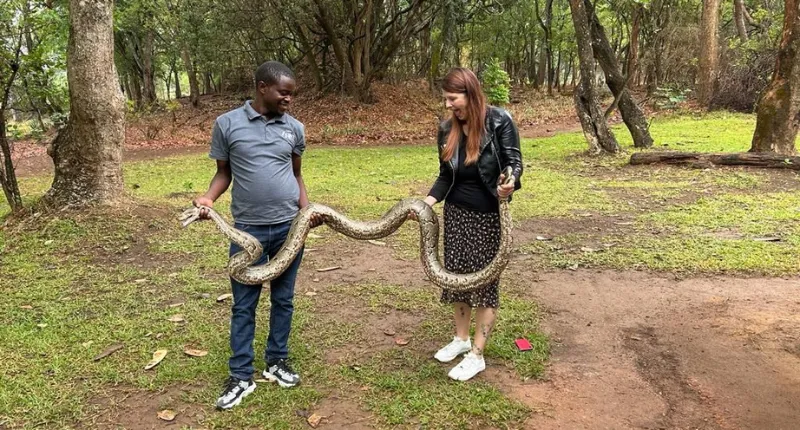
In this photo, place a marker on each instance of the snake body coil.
(241, 269)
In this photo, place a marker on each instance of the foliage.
(496, 83)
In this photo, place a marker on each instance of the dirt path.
(639, 351)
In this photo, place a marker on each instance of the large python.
(241, 269)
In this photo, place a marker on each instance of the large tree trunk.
(633, 116)
(595, 128)
(777, 119)
(194, 86)
(546, 56)
(87, 153)
(738, 17)
(709, 57)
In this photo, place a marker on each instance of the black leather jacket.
(499, 149)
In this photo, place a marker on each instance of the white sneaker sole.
(449, 359)
(272, 378)
(239, 400)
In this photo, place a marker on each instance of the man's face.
(277, 97)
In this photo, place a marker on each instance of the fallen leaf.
(167, 415)
(157, 357)
(314, 236)
(87, 343)
(140, 281)
(377, 242)
(262, 381)
(365, 388)
(585, 215)
(158, 336)
(224, 297)
(26, 307)
(195, 352)
(389, 332)
(315, 279)
(767, 239)
(573, 267)
(108, 351)
(175, 305)
(176, 318)
(314, 420)
(543, 238)
(636, 338)
(401, 341)
(42, 325)
(48, 242)
(311, 293)
(328, 269)
(587, 249)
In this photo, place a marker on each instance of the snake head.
(189, 216)
(509, 178)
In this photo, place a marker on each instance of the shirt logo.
(288, 135)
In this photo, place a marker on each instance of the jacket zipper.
(453, 166)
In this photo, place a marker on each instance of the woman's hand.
(429, 200)
(504, 190)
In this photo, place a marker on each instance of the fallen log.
(697, 159)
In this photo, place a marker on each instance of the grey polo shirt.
(259, 151)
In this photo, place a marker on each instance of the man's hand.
(503, 191)
(203, 201)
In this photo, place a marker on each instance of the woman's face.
(457, 104)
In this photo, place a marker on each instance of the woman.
(475, 145)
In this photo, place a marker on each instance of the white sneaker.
(470, 366)
(453, 350)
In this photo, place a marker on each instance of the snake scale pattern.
(240, 264)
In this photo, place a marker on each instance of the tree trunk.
(177, 82)
(738, 17)
(137, 89)
(595, 128)
(633, 116)
(207, 89)
(777, 119)
(148, 74)
(709, 58)
(8, 176)
(194, 86)
(633, 46)
(705, 160)
(126, 83)
(308, 52)
(87, 153)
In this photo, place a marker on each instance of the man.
(259, 146)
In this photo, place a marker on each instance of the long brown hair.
(461, 80)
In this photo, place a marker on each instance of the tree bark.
(631, 114)
(704, 160)
(738, 17)
(177, 82)
(194, 86)
(8, 176)
(308, 52)
(633, 46)
(709, 58)
(593, 123)
(777, 119)
(87, 153)
(148, 74)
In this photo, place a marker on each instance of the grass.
(75, 283)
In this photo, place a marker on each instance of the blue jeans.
(245, 301)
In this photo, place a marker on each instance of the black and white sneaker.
(235, 390)
(281, 372)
